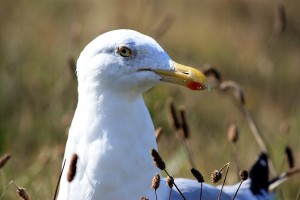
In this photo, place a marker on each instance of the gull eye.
(124, 51)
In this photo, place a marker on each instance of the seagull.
(112, 132)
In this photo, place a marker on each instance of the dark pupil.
(124, 51)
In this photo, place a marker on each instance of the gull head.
(126, 60)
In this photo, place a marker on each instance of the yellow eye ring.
(124, 51)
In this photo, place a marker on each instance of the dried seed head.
(244, 175)
(210, 70)
(197, 175)
(170, 181)
(158, 160)
(172, 116)
(184, 124)
(280, 18)
(290, 157)
(158, 132)
(72, 168)
(216, 175)
(23, 194)
(4, 159)
(233, 133)
(156, 181)
(235, 88)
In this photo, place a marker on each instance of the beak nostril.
(144, 69)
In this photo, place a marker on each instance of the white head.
(125, 60)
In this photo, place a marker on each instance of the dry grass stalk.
(155, 183)
(217, 175)
(235, 88)
(21, 192)
(244, 176)
(59, 178)
(184, 135)
(180, 126)
(158, 133)
(72, 168)
(199, 178)
(4, 159)
(258, 137)
(233, 135)
(172, 116)
(183, 197)
(240, 96)
(298, 194)
(211, 71)
(4, 190)
(162, 166)
(280, 20)
(184, 125)
(170, 183)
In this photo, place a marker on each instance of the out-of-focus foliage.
(255, 43)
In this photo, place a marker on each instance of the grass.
(38, 92)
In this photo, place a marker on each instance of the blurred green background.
(254, 43)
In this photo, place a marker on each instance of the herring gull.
(112, 132)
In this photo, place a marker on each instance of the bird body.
(111, 161)
(112, 132)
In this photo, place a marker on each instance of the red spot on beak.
(195, 86)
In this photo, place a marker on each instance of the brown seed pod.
(72, 167)
(197, 175)
(156, 181)
(4, 159)
(158, 160)
(172, 116)
(23, 194)
(216, 175)
(233, 133)
(170, 181)
(184, 124)
(158, 132)
(244, 175)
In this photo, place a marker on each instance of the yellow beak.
(185, 76)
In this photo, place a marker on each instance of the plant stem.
(176, 186)
(227, 165)
(58, 181)
(237, 190)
